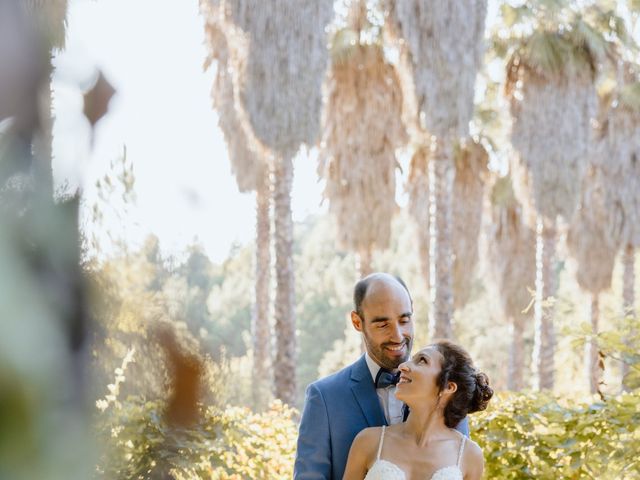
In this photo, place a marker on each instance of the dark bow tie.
(385, 378)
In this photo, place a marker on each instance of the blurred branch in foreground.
(45, 321)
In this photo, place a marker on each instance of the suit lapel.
(365, 393)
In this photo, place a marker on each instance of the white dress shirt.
(391, 406)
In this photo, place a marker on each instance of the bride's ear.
(452, 387)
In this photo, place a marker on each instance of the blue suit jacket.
(336, 409)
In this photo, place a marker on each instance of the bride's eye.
(423, 360)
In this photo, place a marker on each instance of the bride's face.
(419, 375)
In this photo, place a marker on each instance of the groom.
(361, 395)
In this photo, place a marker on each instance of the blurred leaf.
(96, 100)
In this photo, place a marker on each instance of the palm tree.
(468, 195)
(418, 189)
(551, 87)
(471, 167)
(440, 47)
(362, 127)
(620, 130)
(279, 88)
(593, 240)
(511, 263)
(249, 161)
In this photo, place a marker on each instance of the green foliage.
(232, 444)
(539, 436)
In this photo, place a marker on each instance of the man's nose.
(396, 333)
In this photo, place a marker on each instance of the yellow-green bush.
(232, 444)
(539, 436)
(522, 436)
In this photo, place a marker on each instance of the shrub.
(539, 436)
(231, 444)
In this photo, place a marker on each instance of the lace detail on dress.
(384, 470)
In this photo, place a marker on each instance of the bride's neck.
(425, 423)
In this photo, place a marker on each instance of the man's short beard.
(377, 353)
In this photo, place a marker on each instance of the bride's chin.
(400, 396)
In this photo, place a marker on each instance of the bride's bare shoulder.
(368, 437)
(472, 460)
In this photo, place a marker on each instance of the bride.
(440, 386)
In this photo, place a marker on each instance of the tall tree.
(249, 162)
(362, 127)
(593, 240)
(551, 87)
(471, 174)
(511, 263)
(280, 91)
(620, 130)
(441, 46)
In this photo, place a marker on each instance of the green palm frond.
(584, 36)
(343, 45)
(502, 192)
(630, 96)
(514, 15)
(545, 52)
(609, 24)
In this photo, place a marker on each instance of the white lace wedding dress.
(384, 470)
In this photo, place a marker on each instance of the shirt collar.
(374, 368)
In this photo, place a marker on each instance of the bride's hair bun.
(482, 393)
(473, 391)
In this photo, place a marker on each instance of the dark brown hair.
(473, 392)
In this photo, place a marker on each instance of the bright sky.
(152, 52)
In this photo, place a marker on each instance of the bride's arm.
(360, 454)
(472, 461)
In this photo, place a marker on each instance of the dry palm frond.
(618, 153)
(441, 45)
(594, 234)
(51, 19)
(468, 193)
(552, 133)
(362, 128)
(622, 168)
(247, 156)
(511, 249)
(550, 82)
(280, 85)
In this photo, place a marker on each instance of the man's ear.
(356, 321)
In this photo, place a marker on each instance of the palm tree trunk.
(441, 175)
(423, 248)
(285, 327)
(544, 336)
(628, 294)
(515, 376)
(592, 364)
(363, 263)
(260, 327)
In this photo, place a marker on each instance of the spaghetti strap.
(464, 439)
(381, 441)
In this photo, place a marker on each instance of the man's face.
(387, 326)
